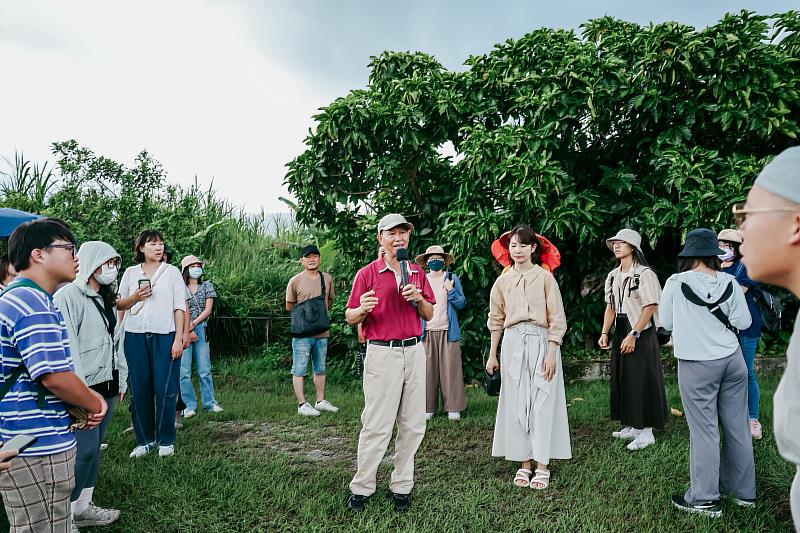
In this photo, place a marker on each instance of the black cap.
(701, 242)
(310, 249)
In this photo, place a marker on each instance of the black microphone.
(402, 257)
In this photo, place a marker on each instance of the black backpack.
(769, 306)
(771, 310)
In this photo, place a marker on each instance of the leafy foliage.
(658, 128)
(247, 259)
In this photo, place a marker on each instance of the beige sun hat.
(422, 259)
(392, 221)
(190, 260)
(730, 235)
(626, 235)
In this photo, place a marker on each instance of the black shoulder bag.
(713, 307)
(110, 388)
(310, 317)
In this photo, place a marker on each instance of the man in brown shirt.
(305, 286)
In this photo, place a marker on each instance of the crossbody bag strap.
(161, 268)
(108, 328)
(714, 307)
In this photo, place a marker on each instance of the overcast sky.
(225, 90)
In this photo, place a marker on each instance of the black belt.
(396, 343)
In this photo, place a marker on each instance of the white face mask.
(727, 256)
(195, 272)
(107, 276)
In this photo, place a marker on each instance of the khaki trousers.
(394, 391)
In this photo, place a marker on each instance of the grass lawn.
(260, 467)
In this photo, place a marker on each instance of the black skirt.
(638, 398)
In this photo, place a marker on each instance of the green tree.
(658, 128)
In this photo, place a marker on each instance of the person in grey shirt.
(703, 308)
(770, 226)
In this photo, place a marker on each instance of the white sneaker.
(73, 528)
(455, 415)
(103, 446)
(166, 451)
(307, 410)
(644, 440)
(325, 405)
(755, 429)
(141, 451)
(96, 516)
(627, 433)
(216, 408)
(428, 416)
(189, 413)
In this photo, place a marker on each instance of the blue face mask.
(195, 272)
(436, 265)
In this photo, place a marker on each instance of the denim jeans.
(87, 457)
(199, 352)
(749, 346)
(303, 349)
(154, 377)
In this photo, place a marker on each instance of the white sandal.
(523, 478)
(542, 478)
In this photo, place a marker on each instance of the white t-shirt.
(154, 315)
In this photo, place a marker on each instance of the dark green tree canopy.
(657, 128)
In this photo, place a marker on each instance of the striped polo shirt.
(33, 333)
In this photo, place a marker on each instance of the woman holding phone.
(154, 296)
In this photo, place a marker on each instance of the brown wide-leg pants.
(443, 369)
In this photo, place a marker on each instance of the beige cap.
(190, 260)
(422, 259)
(392, 221)
(730, 235)
(626, 235)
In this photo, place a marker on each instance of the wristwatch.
(635, 334)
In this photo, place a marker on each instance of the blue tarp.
(11, 218)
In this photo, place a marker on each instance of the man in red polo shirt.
(394, 369)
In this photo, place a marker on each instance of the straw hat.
(422, 259)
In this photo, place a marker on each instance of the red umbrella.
(551, 257)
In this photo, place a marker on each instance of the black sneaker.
(355, 502)
(711, 509)
(744, 502)
(401, 501)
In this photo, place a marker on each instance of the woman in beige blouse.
(632, 292)
(526, 312)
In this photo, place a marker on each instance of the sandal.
(523, 478)
(541, 479)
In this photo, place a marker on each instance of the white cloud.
(180, 79)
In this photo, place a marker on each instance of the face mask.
(727, 256)
(436, 265)
(107, 276)
(195, 272)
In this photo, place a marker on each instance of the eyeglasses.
(71, 248)
(114, 263)
(740, 213)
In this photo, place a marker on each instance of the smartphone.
(144, 283)
(19, 442)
